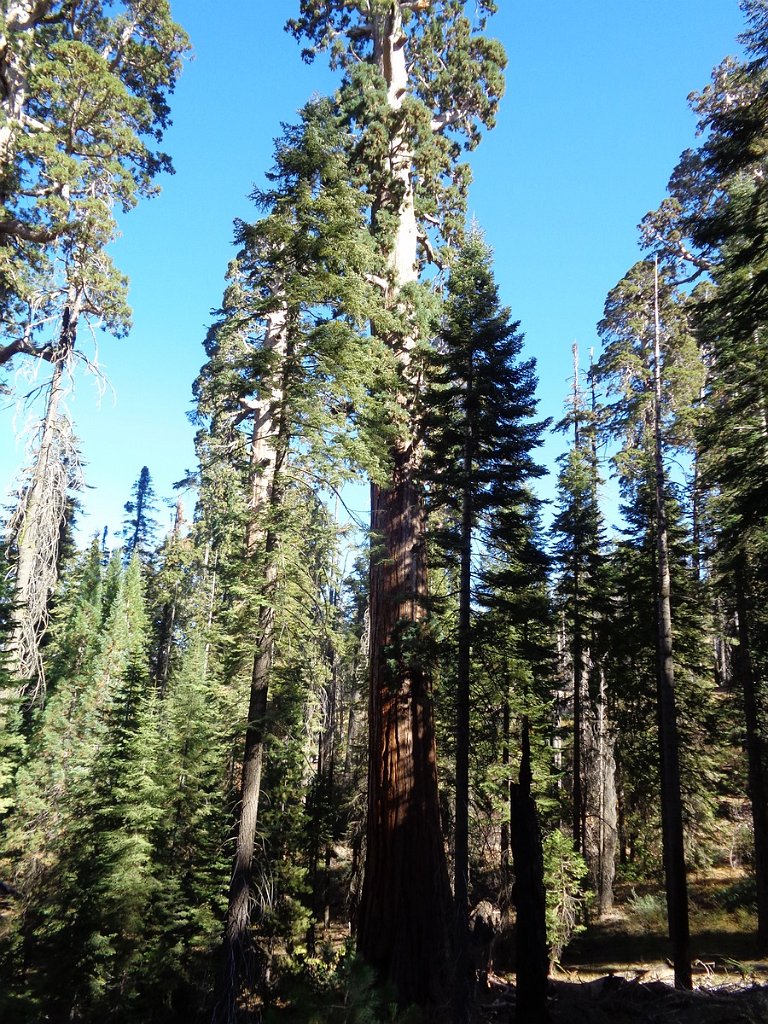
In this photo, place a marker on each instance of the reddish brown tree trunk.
(405, 904)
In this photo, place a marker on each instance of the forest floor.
(618, 970)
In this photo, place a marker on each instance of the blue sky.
(594, 118)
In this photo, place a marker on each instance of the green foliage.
(565, 875)
(741, 895)
(139, 526)
(649, 910)
(336, 986)
(86, 103)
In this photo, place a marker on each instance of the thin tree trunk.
(38, 531)
(671, 799)
(577, 647)
(462, 982)
(505, 841)
(269, 450)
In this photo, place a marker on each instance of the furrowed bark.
(404, 915)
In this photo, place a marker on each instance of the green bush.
(565, 872)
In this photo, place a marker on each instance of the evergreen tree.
(300, 377)
(650, 357)
(714, 220)
(139, 527)
(419, 82)
(583, 599)
(84, 865)
(85, 101)
(479, 429)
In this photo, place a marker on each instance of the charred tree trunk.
(758, 789)
(531, 941)
(671, 798)
(506, 866)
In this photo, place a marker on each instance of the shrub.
(565, 872)
(649, 910)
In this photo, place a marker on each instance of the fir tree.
(480, 433)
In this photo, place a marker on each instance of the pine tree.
(650, 357)
(714, 221)
(300, 378)
(583, 601)
(85, 101)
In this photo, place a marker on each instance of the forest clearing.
(475, 754)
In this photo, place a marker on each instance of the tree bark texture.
(405, 904)
(601, 804)
(38, 529)
(404, 915)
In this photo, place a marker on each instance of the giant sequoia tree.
(419, 80)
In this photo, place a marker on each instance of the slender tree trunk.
(269, 450)
(758, 788)
(671, 799)
(404, 914)
(577, 647)
(505, 841)
(462, 982)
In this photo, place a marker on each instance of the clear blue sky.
(594, 118)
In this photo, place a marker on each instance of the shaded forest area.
(452, 764)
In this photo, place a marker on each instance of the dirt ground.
(618, 971)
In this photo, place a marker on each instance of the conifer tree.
(288, 362)
(651, 358)
(714, 221)
(139, 526)
(86, 98)
(420, 80)
(583, 600)
(84, 101)
(479, 405)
